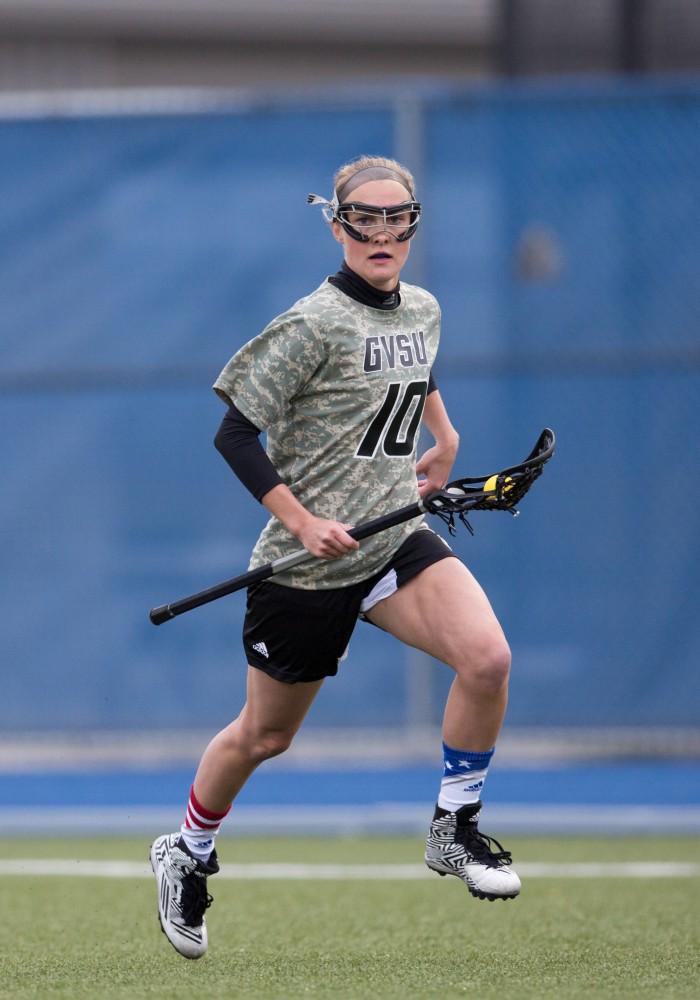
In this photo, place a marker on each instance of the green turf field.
(563, 938)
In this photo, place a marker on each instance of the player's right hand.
(326, 539)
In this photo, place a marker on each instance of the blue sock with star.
(463, 777)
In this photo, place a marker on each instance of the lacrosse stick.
(499, 491)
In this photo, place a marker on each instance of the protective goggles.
(362, 222)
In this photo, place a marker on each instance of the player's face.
(380, 260)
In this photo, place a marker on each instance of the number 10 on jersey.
(397, 420)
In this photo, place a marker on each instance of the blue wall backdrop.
(562, 237)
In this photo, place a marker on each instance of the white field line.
(340, 872)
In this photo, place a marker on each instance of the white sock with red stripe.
(200, 828)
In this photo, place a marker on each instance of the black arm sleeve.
(432, 384)
(238, 440)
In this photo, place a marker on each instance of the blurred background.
(154, 162)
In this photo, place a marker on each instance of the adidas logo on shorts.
(260, 647)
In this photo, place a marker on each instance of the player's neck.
(349, 282)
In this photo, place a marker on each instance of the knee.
(266, 743)
(487, 668)
(254, 742)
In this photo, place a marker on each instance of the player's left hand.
(436, 465)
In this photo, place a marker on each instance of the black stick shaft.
(165, 612)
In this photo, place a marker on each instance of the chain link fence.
(144, 243)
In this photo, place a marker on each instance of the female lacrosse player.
(340, 382)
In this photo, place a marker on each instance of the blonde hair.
(345, 174)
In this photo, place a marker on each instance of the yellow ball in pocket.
(492, 482)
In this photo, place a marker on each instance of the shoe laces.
(194, 899)
(478, 845)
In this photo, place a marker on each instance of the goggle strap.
(329, 208)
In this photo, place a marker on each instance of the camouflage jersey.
(340, 388)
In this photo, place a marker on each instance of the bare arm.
(436, 463)
(323, 538)
(238, 441)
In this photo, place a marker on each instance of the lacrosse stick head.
(505, 489)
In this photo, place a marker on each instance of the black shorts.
(301, 635)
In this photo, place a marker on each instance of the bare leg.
(444, 612)
(270, 718)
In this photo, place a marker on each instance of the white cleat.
(182, 894)
(456, 847)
